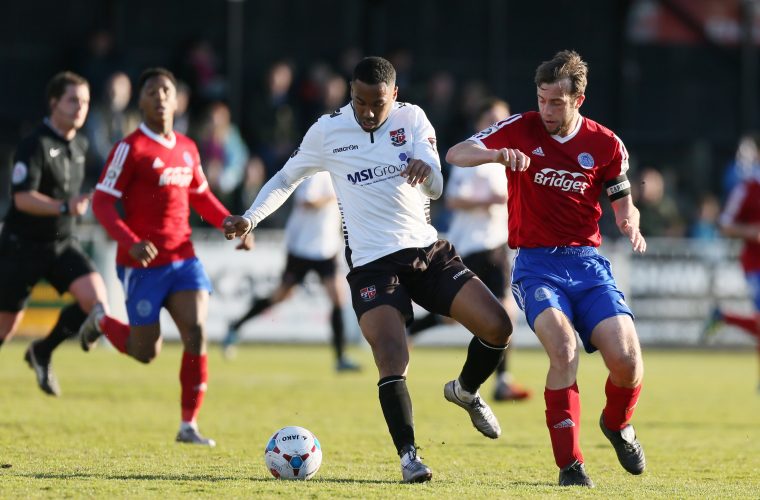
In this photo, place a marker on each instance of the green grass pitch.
(111, 434)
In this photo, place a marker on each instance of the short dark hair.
(565, 64)
(150, 73)
(56, 87)
(374, 70)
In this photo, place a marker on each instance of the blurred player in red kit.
(157, 176)
(558, 162)
(741, 219)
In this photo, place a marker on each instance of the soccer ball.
(293, 453)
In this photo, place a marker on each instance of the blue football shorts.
(146, 289)
(753, 283)
(576, 280)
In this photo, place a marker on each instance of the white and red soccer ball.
(293, 453)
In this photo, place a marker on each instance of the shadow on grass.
(180, 477)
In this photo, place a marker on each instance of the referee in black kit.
(37, 240)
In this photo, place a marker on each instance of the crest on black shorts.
(398, 137)
(368, 293)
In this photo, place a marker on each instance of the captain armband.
(617, 188)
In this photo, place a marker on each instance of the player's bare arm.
(627, 220)
(469, 204)
(747, 232)
(236, 226)
(143, 252)
(470, 154)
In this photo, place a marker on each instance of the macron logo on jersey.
(562, 179)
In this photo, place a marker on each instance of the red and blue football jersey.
(556, 201)
(154, 177)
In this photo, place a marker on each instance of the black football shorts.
(23, 263)
(430, 276)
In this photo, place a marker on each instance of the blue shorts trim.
(146, 289)
(575, 280)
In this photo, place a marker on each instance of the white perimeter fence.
(671, 289)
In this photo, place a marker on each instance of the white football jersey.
(314, 232)
(478, 229)
(381, 212)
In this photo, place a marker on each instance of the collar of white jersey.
(168, 143)
(572, 134)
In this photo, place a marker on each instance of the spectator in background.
(335, 93)
(745, 163)
(182, 122)
(254, 178)
(110, 121)
(99, 60)
(440, 101)
(311, 92)
(349, 58)
(223, 153)
(659, 213)
(274, 126)
(199, 67)
(705, 227)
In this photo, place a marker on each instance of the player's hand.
(246, 242)
(143, 252)
(235, 225)
(513, 159)
(416, 172)
(78, 204)
(631, 230)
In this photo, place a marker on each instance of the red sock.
(116, 332)
(193, 376)
(620, 404)
(563, 418)
(750, 324)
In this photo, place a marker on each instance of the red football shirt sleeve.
(209, 207)
(104, 208)
(113, 180)
(619, 164)
(203, 200)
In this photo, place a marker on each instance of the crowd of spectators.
(240, 157)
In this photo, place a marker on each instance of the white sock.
(188, 425)
(463, 395)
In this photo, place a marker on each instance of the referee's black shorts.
(24, 262)
(430, 276)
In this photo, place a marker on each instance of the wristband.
(64, 208)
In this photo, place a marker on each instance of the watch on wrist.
(64, 208)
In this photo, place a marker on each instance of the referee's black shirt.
(49, 164)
